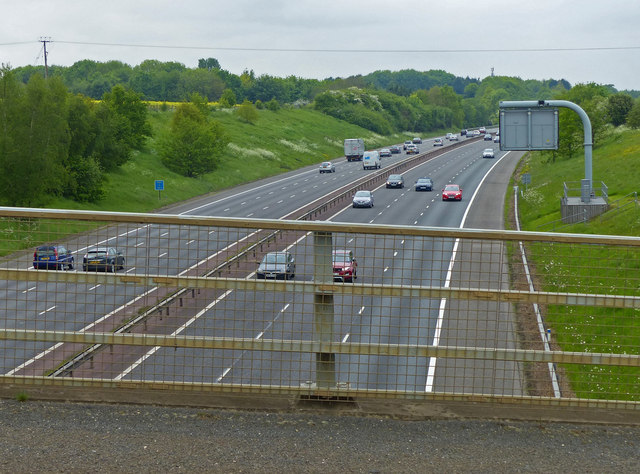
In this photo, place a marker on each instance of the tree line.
(61, 135)
(61, 144)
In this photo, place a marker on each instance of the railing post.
(323, 308)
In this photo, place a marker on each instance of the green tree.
(200, 102)
(122, 127)
(227, 99)
(618, 106)
(83, 171)
(633, 117)
(194, 142)
(205, 82)
(273, 105)
(209, 63)
(132, 113)
(33, 139)
(247, 112)
(592, 98)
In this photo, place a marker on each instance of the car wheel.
(71, 265)
(84, 268)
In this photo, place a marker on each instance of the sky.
(581, 41)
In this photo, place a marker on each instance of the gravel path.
(65, 437)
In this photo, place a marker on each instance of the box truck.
(354, 149)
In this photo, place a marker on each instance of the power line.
(324, 50)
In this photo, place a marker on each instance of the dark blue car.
(52, 257)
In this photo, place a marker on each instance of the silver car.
(327, 167)
(363, 199)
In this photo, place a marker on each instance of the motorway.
(381, 260)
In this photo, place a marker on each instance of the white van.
(371, 160)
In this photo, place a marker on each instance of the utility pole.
(44, 40)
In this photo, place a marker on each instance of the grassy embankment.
(590, 269)
(279, 141)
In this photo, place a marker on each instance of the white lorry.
(354, 149)
(371, 160)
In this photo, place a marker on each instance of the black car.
(395, 149)
(463, 132)
(108, 259)
(424, 184)
(395, 181)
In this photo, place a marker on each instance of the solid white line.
(431, 371)
(541, 329)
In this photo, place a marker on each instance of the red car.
(452, 192)
(345, 267)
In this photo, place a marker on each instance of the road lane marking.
(155, 349)
(431, 371)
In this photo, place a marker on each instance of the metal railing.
(572, 188)
(432, 314)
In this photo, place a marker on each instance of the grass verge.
(589, 269)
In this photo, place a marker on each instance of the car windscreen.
(275, 258)
(362, 194)
(341, 257)
(451, 188)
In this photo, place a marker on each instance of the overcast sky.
(319, 39)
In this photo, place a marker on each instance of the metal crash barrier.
(480, 322)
